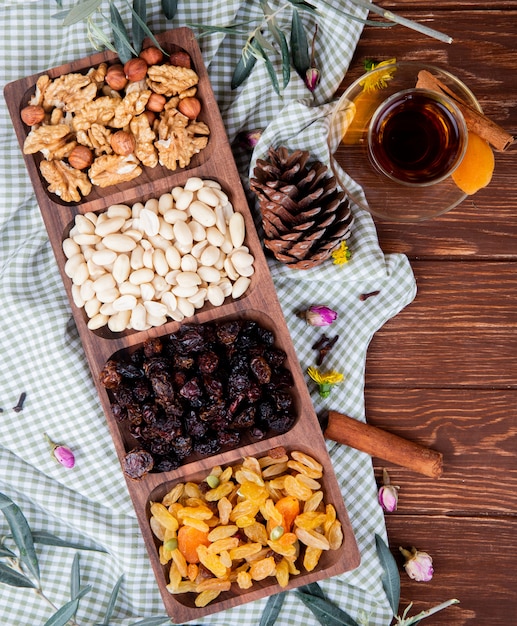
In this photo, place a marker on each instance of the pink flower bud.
(249, 140)
(62, 454)
(312, 78)
(418, 565)
(319, 315)
(388, 493)
(388, 498)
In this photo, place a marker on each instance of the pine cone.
(304, 214)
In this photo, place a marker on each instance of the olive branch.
(295, 48)
(19, 567)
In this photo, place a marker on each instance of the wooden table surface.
(444, 371)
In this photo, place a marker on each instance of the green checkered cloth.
(41, 354)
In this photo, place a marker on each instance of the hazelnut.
(151, 55)
(180, 59)
(80, 157)
(32, 114)
(116, 77)
(190, 107)
(123, 143)
(151, 117)
(156, 102)
(135, 69)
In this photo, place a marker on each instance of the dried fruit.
(151, 55)
(190, 107)
(189, 538)
(116, 77)
(135, 69)
(81, 157)
(476, 169)
(257, 546)
(32, 114)
(123, 143)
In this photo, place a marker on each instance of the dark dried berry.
(167, 464)
(182, 446)
(152, 347)
(261, 370)
(138, 463)
(127, 370)
(229, 439)
(244, 419)
(110, 377)
(208, 362)
(191, 390)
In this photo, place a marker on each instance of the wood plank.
(474, 429)
(473, 561)
(458, 332)
(483, 56)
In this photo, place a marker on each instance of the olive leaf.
(244, 66)
(169, 8)
(327, 613)
(75, 579)
(139, 19)
(390, 577)
(98, 34)
(63, 615)
(13, 578)
(299, 45)
(48, 539)
(4, 551)
(120, 36)
(272, 609)
(261, 54)
(305, 6)
(112, 601)
(81, 11)
(140, 27)
(286, 57)
(312, 589)
(21, 533)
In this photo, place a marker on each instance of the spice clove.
(365, 296)
(324, 345)
(21, 400)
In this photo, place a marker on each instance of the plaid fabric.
(40, 352)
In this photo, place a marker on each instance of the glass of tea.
(417, 137)
(394, 144)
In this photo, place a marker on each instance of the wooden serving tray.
(259, 303)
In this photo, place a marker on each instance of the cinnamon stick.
(383, 445)
(476, 121)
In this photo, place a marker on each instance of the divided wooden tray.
(259, 303)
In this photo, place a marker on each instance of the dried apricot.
(289, 508)
(189, 538)
(476, 169)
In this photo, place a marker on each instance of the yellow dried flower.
(325, 381)
(381, 79)
(342, 255)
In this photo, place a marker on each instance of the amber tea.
(417, 137)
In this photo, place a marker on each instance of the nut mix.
(198, 390)
(262, 518)
(142, 99)
(136, 267)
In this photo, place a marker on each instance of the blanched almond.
(119, 242)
